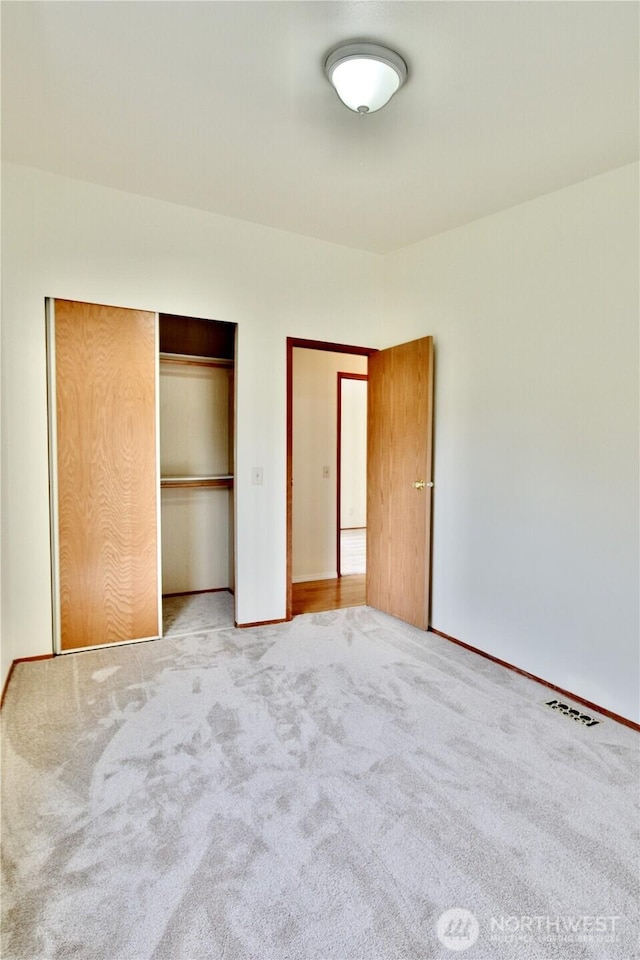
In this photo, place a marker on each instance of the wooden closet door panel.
(105, 376)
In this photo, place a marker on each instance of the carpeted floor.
(326, 788)
(197, 612)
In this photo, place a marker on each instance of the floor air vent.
(572, 712)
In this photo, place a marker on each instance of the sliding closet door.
(105, 479)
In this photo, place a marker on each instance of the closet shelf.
(219, 480)
(193, 361)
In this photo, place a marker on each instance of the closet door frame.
(50, 303)
(52, 417)
(158, 487)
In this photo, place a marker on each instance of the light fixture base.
(365, 74)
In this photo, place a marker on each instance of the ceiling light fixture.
(365, 75)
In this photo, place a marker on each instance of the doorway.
(315, 465)
(399, 471)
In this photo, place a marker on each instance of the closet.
(196, 387)
(141, 428)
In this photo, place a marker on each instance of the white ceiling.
(224, 106)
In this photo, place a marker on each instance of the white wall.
(353, 478)
(315, 446)
(63, 238)
(535, 317)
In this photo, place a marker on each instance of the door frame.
(328, 347)
(341, 376)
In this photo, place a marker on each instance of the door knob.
(419, 484)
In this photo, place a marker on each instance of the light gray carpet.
(320, 789)
(190, 613)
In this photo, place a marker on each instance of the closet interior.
(196, 416)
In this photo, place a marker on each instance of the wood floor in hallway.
(318, 595)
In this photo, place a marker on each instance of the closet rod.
(188, 360)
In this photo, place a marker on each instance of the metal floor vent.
(572, 712)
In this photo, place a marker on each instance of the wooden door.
(104, 472)
(399, 461)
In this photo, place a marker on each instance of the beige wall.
(535, 317)
(194, 420)
(196, 542)
(315, 445)
(194, 441)
(353, 481)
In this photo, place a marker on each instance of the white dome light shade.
(365, 75)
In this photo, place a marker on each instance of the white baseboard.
(315, 576)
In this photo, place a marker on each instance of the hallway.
(317, 595)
